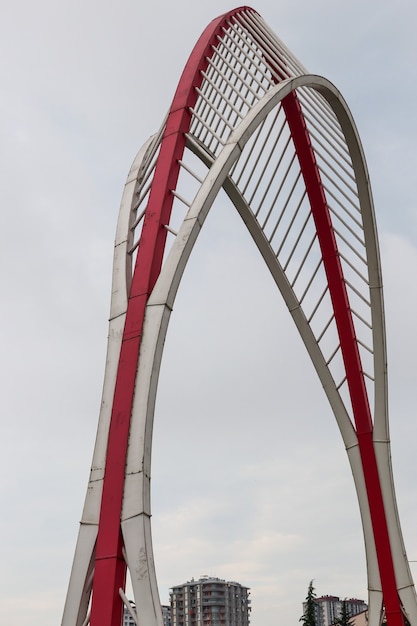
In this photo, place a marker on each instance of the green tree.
(309, 617)
(345, 618)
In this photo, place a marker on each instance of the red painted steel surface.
(350, 352)
(110, 568)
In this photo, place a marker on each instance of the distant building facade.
(166, 615)
(127, 618)
(129, 621)
(329, 609)
(210, 602)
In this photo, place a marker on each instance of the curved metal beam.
(115, 530)
(156, 321)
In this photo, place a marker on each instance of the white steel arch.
(161, 303)
(284, 147)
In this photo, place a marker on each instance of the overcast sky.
(250, 479)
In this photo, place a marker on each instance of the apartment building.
(210, 602)
(329, 609)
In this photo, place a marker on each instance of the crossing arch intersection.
(284, 147)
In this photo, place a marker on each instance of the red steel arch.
(351, 356)
(107, 564)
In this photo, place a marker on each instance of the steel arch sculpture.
(248, 118)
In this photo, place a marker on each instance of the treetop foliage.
(309, 617)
